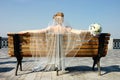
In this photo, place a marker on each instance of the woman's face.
(59, 20)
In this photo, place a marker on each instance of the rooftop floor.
(77, 68)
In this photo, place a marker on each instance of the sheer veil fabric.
(49, 52)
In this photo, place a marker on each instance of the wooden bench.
(96, 47)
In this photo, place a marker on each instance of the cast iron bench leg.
(57, 72)
(96, 61)
(17, 51)
(98, 65)
(93, 67)
(18, 63)
(17, 68)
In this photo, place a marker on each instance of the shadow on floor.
(7, 62)
(6, 69)
(107, 69)
(13, 62)
(113, 68)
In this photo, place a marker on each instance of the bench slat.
(81, 53)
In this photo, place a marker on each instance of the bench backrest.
(96, 45)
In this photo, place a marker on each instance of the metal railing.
(116, 43)
(3, 42)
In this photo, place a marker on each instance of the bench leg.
(94, 63)
(20, 65)
(57, 71)
(19, 62)
(17, 68)
(98, 65)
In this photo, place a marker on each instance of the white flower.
(95, 29)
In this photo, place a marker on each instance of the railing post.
(116, 43)
(6, 42)
(0, 42)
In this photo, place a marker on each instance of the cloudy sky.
(18, 15)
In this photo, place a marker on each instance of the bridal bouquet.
(95, 29)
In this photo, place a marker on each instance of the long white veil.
(50, 48)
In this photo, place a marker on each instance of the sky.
(19, 15)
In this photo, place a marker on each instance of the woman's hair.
(58, 14)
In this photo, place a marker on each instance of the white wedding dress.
(56, 50)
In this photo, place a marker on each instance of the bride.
(56, 53)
